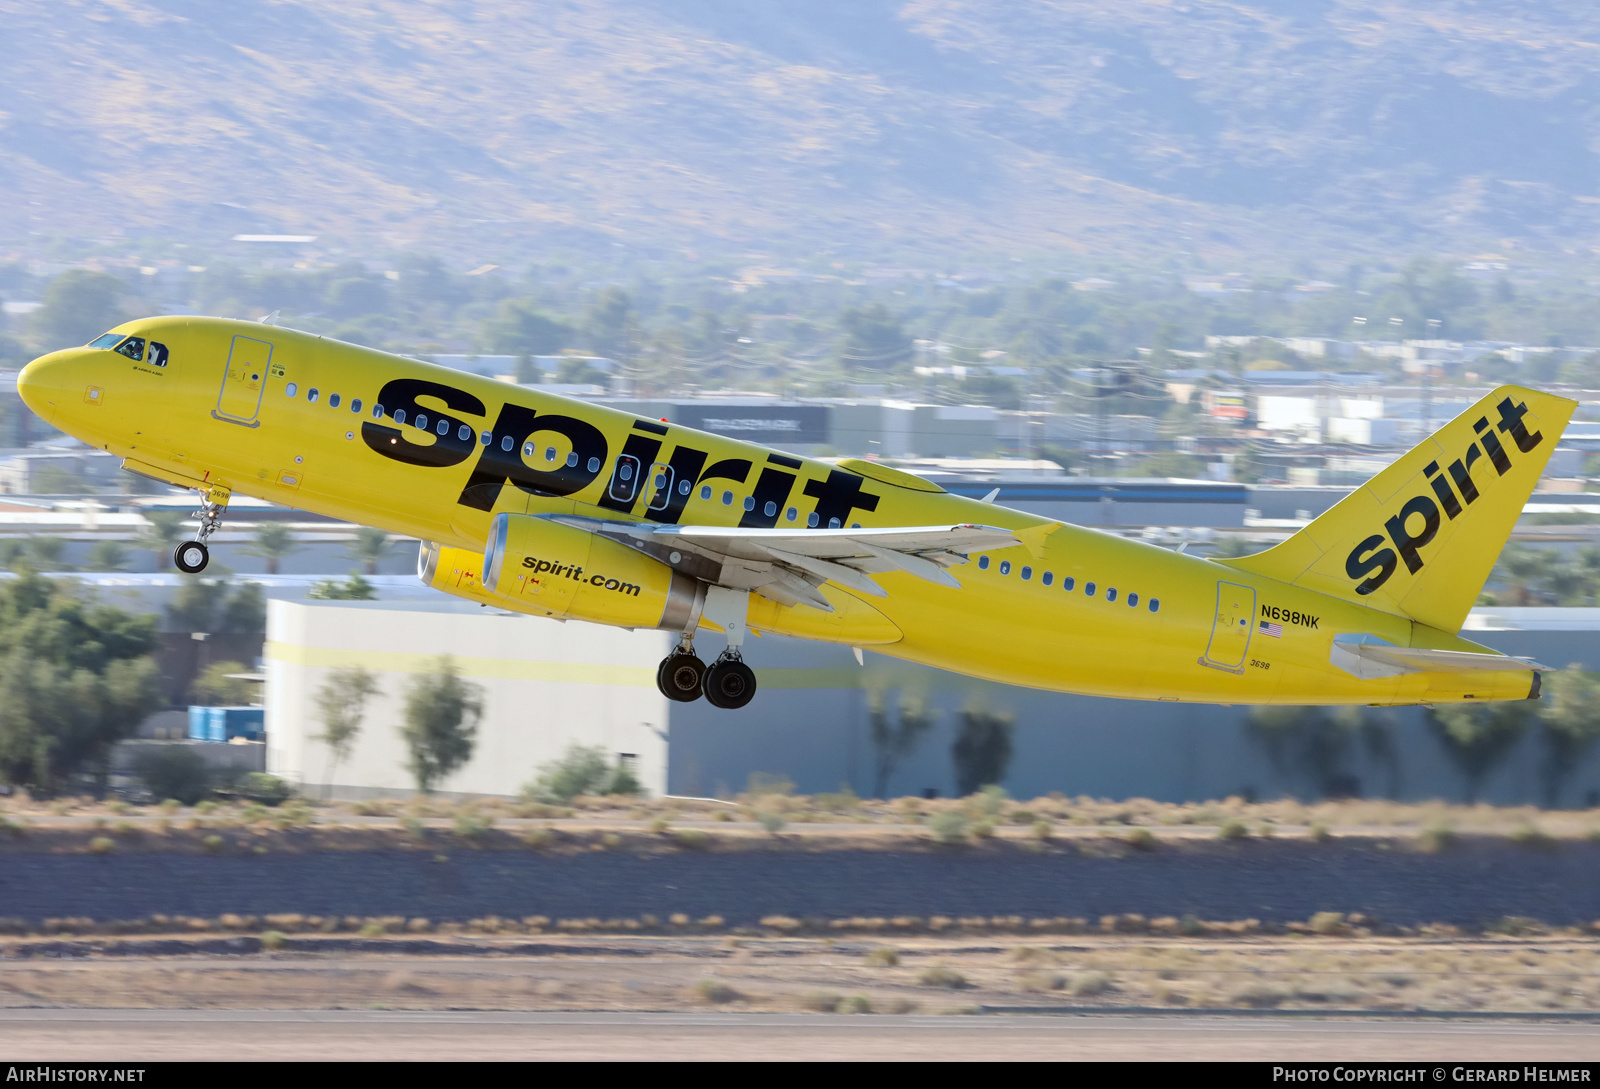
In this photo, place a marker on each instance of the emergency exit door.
(243, 381)
(1231, 627)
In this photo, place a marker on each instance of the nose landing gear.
(191, 557)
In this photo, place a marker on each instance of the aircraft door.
(625, 479)
(1231, 627)
(243, 381)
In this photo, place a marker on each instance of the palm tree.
(162, 531)
(273, 541)
(368, 548)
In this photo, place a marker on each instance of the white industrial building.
(545, 685)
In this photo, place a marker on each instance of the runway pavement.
(151, 1035)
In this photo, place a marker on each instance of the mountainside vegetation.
(831, 128)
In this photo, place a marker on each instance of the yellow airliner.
(541, 504)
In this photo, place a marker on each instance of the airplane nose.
(40, 385)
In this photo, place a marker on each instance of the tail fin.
(1420, 538)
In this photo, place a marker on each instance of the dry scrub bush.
(1088, 984)
(716, 991)
(821, 1002)
(938, 975)
(1039, 982)
(883, 957)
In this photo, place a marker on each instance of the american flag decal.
(1274, 630)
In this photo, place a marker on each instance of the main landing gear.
(728, 683)
(191, 557)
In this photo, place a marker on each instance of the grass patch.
(939, 975)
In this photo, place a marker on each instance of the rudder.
(1420, 538)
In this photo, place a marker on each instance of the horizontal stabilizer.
(1369, 657)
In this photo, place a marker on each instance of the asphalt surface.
(1274, 881)
(132, 1036)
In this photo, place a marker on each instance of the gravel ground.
(1467, 884)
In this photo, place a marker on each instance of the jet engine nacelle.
(457, 571)
(557, 570)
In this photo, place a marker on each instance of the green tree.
(341, 705)
(608, 326)
(893, 741)
(162, 531)
(174, 771)
(244, 612)
(107, 556)
(441, 723)
(354, 588)
(79, 305)
(215, 688)
(1317, 746)
(75, 678)
(874, 339)
(273, 542)
(368, 548)
(982, 749)
(1523, 572)
(1569, 720)
(1478, 736)
(47, 554)
(582, 769)
(519, 328)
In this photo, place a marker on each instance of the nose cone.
(43, 384)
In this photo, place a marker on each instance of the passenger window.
(486, 439)
(572, 458)
(983, 563)
(507, 443)
(311, 397)
(812, 520)
(133, 348)
(770, 510)
(1068, 583)
(291, 389)
(463, 433)
(355, 406)
(1088, 588)
(377, 412)
(1111, 593)
(1047, 578)
(549, 453)
(727, 499)
(399, 415)
(792, 514)
(421, 422)
(105, 340)
(624, 471)
(1027, 573)
(684, 487)
(749, 503)
(833, 523)
(1005, 567)
(594, 465)
(333, 400)
(1155, 604)
(527, 449)
(443, 427)
(705, 491)
(158, 354)
(1133, 600)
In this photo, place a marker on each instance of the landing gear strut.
(191, 557)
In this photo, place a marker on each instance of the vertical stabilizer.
(1420, 538)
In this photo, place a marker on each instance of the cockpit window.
(133, 348)
(158, 354)
(109, 340)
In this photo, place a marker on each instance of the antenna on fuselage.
(272, 318)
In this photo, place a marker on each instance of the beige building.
(545, 685)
